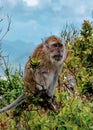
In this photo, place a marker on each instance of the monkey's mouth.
(57, 57)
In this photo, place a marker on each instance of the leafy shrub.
(11, 88)
(78, 68)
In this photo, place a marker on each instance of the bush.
(10, 88)
(78, 68)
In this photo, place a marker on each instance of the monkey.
(43, 79)
(51, 54)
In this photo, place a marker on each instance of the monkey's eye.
(60, 45)
(57, 45)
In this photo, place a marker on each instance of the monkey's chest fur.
(41, 78)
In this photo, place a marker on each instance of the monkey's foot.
(51, 105)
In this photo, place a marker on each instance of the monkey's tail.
(14, 104)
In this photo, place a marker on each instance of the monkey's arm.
(14, 104)
(41, 78)
(54, 83)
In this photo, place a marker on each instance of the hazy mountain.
(18, 51)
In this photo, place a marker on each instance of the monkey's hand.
(47, 101)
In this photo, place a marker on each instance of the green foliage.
(73, 114)
(79, 65)
(87, 29)
(11, 88)
(34, 63)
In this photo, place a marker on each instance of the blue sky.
(33, 20)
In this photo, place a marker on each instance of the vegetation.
(73, 96)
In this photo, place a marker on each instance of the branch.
(8, 28)
(1, 19)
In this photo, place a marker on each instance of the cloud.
(1, 3)
(82, 9)
(13, 3)
(31, 3)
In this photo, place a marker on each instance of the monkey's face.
(56, 51)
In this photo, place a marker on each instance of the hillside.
(18, 51)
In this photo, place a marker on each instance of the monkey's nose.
(58, 51)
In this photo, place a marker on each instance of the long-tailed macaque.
(43, 78)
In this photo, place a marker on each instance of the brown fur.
(46, 64)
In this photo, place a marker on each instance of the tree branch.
(8, 28)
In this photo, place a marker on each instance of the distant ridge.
(18, 51)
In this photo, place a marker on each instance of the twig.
(8, 28)
(1, 19)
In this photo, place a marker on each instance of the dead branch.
(8, 27)
(1, 19)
